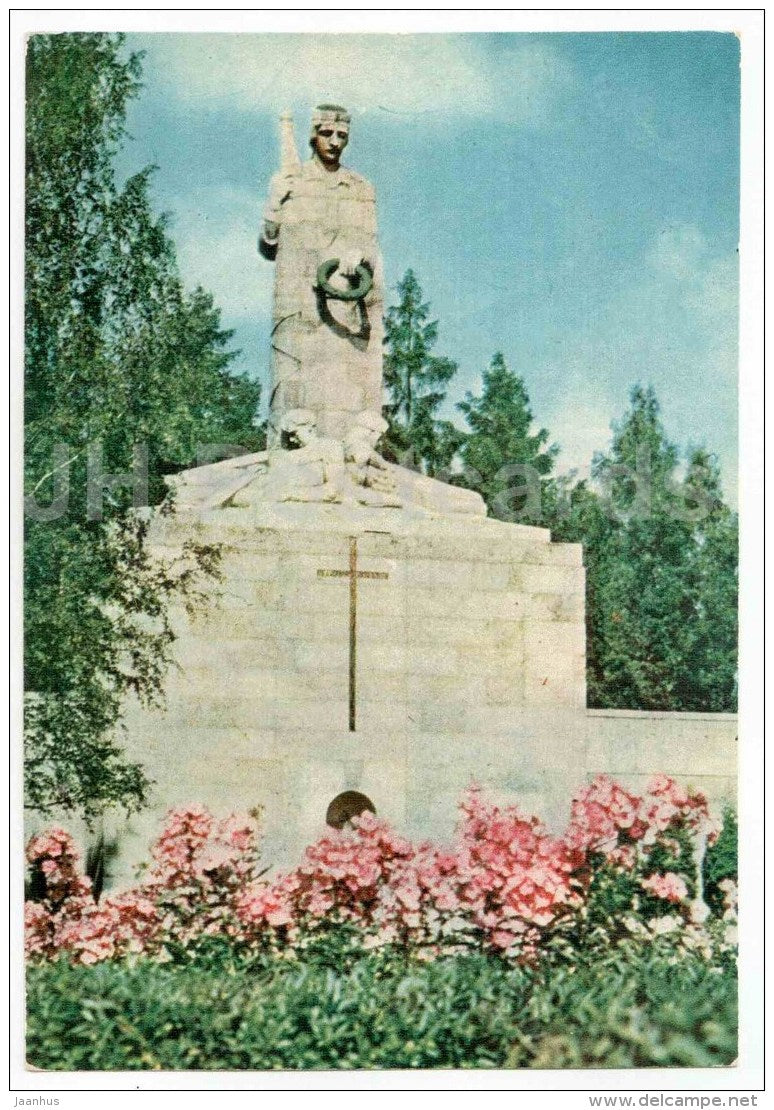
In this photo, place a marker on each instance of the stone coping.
(658, 714)
(452, 536)
(360, 519)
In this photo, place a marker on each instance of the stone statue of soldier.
(319, 226)
(325, 422)
(310, 468)
(366, 468)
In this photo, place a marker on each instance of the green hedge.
(721, 861)
(462, 1012)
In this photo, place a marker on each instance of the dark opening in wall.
(346, 806)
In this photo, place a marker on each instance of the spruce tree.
(415, 379)
(504, 459)
(661, 566)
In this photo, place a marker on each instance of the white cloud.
(431, 75)
(705, 288)
(216, 241)
(679, 251)
(713, 301)
(675, 328)
(580, 427)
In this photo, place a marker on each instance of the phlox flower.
(698, 911)
(38, 931)
(730, 898)
(624, 856)
(660, 926)
(373, 940)
(504, 884)
(55, 843)
(668, 886)
(731, 936)
(408, 896)
(266, 906)
(319, 903)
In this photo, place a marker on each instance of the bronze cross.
(352, 574)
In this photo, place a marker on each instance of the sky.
(568, 199)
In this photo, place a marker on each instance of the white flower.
(373, 940)
(699, 911)
(660, 926)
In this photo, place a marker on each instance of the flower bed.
(628, 868)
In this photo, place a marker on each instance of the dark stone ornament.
(365, 281)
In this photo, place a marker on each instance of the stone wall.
(470, 667)
(697, 748)
(415, 780)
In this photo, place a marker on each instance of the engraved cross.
(352, 573)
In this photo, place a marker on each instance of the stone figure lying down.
(308, 467)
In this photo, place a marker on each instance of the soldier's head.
(368, 427)
(298, 428)
(330, 134)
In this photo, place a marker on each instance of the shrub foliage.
(469, 1011)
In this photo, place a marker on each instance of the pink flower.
(625, 857)
(505, 883)
(669, 886)
(319, 904)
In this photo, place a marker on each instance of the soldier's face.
(303, 433)
(329, 143)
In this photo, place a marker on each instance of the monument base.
(392, 652)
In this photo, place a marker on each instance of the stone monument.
(319, 230)
(375, 635)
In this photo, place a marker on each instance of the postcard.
(381, 533)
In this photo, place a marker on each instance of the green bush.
(230, 1012)
(720, 861)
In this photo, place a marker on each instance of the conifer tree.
(661, 566)
(415, 381)
(504, 459)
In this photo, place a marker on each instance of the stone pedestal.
(469, 666)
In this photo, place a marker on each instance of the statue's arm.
(280, 190)
(377, 461)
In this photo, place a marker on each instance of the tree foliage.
(415, 379)
(116, 354)
(661, 558)
(504, 459)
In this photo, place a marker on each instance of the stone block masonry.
(698, 748)
(469, 664)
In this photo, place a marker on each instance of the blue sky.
(569, 199)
